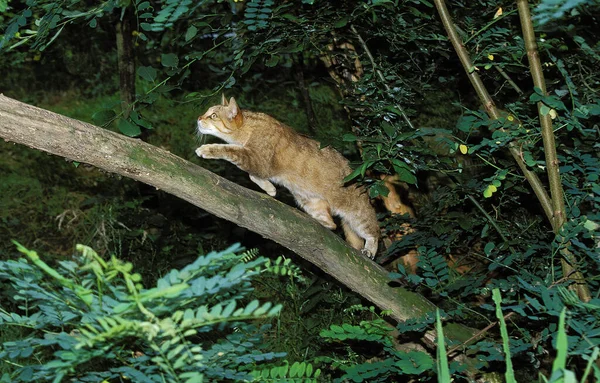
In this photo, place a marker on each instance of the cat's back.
(294, 158)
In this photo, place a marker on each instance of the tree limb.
(79, 141)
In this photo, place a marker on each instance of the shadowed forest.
(472, 127)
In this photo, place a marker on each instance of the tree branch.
(79, 141)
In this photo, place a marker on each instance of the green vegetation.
(496, 153)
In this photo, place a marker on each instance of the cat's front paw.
(207, 151)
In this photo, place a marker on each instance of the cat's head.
(224, 121)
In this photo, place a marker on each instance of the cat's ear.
(234, 112)
(223, 99)
(233, 108)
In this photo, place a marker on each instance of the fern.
(296, 373)
(284, 266)
(90, 314)
(258, 13)
(249, 255)
(390, 364)
(167, 16)
(435, 268)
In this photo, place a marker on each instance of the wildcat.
(272, 152)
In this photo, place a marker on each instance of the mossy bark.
(133, 158)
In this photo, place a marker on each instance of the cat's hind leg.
(318, 209)
(359, 226)
(352, 237)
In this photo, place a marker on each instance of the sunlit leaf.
(498, 14)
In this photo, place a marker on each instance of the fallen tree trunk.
(82, 142)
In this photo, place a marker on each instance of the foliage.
(374, 335)
(548, 10)
(91, 319)
(412, 115)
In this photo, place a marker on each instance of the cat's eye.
(213, 116)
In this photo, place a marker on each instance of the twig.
(479, 334)
(380, 74)
(508, 79)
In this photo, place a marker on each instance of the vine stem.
(556, 190)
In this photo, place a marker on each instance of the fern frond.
(299, 372)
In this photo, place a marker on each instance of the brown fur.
(272, 152)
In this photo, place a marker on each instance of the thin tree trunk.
(556, 190)
(489, 105)
(126, 61)
(494, 112)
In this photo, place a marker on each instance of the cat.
(272, 152)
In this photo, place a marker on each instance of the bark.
(126, 61)
(133, 158)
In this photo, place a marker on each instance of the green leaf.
(272, 61)
(135, 117)
(192, 377)
(103, 117)
(442, 358)
(528, 158)
(147, 73)
(355, 173)
(143, 5)
(403, 171)
(489, 191)
(378, 189)
(562, 346)
(228, 309)
(591, 225)
(191, 33)
(341, 22)
(294, 370)
(509, 374)
(251, 307)
(262, 309)
(388, 129)
(128, 129)
(169, 60)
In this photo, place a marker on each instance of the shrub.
(90, 320)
